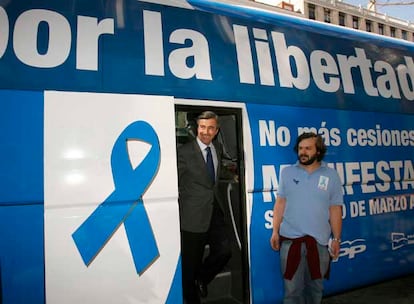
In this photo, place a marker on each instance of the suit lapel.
(217, 146)
(201, 163)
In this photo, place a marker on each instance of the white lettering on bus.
(89, 31)
(329, 74)
(4, 31)
(178, 58)
(190, 54)
(370, 177)
(272, 136)
(270, 183)
(25, 38)
(58, 46)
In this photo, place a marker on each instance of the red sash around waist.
(294, 256)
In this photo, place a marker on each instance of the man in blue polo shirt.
(307, 214)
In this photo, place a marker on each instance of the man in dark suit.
(201, 211)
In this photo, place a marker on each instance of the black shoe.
(202, 288)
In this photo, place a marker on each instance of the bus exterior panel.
(95, 97)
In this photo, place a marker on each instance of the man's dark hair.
(320, 144)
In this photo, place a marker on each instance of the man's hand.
(275, 241)
(335, 249)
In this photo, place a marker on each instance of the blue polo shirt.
(308, 198)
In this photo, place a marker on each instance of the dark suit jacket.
(197, 192)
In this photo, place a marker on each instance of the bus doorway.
(232, 284)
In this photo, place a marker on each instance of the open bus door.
(231, 285)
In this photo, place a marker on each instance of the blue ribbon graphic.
(124, 205)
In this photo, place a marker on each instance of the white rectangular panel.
(81, 171)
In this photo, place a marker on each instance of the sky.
(404, 12)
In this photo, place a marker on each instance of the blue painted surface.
(377, 237)
(21, 197)
(121, 55)
(121, 69)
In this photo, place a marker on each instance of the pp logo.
(400, 240)
(352, 248)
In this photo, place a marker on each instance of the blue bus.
(95, 97)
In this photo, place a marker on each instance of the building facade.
(347, 15)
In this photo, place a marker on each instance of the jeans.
(302, 289)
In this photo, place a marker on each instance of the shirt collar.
(202, 145)
(323, 164)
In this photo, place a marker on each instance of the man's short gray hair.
(209, 115)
